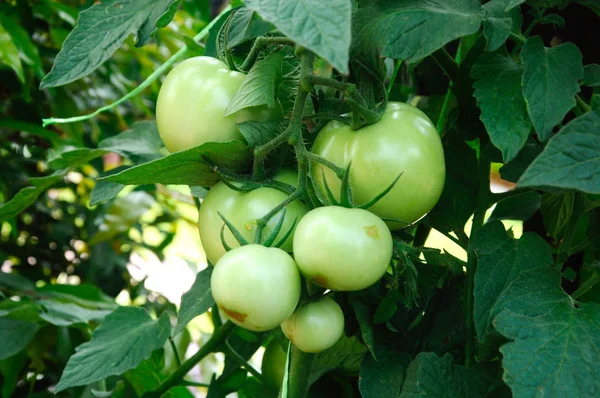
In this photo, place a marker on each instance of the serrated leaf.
(15, 335)
(560, 340)
(571, 160)
(500, 259)
(84, 295)
(246, 25)
(420, 27)
(187, 167)
(382, 379)
(499, 23)
(322, 27)
(105, 191)
(499, 96)
(345, 355)
(111, 22)
(431, 376)
(66, 314)
(260, 85)
(126, 337)
(9, 54)
(519, 207)
(550, 82)
(28, 195)
(195, 301)
(591, 75)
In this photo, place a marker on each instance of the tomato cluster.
(337, 248)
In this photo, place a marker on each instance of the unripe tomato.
(273, 364)
(315, 326)
(342, 249)
(403, 141)
(242, 209)
(256, 287)
(191, 105)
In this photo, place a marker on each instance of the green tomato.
(315, 326)
(191, 105)
(256, 287)
(403, 141)
(242, 209)
(342, 249)
(273, 364)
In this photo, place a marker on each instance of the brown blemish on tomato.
(372, 231)
(320, 280)
(238, 316)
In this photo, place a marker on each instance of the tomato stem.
(300, 366)
(259, 44)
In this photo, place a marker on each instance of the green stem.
(259, 44)
(393, 78)
(447, 63)
(421, 235)
(243, 363)
(216, 317)
(587, 285)
(218, 337)
(146, 83)
(443, 119)
(300, 365)
(517, 38)
(175, 352)
(459, 242)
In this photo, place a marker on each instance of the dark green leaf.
(498, 23)
(10, 369)
(195, 301)
(187, 167)
(322, 27)
(9, 53)
(259, 133)
(245, 26)
(550, 82)
(15, 335)
(260, 86)
(571, 160)
(28, 52)
(549, 331)
(503, 108)
(514, 169)
(105, 191)
(386, 309)
(500, 259)
(65, 314)
(34, 129)
(253, 388)
(14, 281)
(364, 318)
(382, 379)
(518, 207)
(557, 210)
(431, 376)
(121, 342)
(419, 26)
(111, 22)
(346, 355)
(27, 196)
(591, 75)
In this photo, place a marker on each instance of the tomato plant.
(242, 209)
(273, 364)
(256, 287)
(315, 326)
(191, 104)
(404, 142)
(342, 249)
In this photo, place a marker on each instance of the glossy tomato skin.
(316, 326)
(403, 141)
(273, 364)
(191, 104)
(242, 209)
(342, 249)
(256, 287)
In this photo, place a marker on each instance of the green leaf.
(28, 51)
(259, 133)
(10, 369)
(500, 259)
(514, 169)
(27, 196)
(246, 25)
(65, 314)
(498, 23)
(187, 167)
(550, 332)
(9, 54)
(322, 27)
(147, 375)
(571, 160)
(111, 22)
(557, 210)
(15, 335)
(260, 86)
(420, 27)
(121, 342)
(34, 129)
(364, 318)
(513, 3)
(550, 82)
(75, 157)
(591, 75)
(89, 296)
(503, 109)
(195, 301)
(253, 388)
(431, 376)
(385, 310)
(14, 281)
(519, 207)
(345, 355)
(382, 379)
(105, 191)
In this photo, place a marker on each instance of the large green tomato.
(256, 287)
(273, 364)
(315, 326)
(403, 141)
(191, 105)
(242, 209)
(342, 249)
